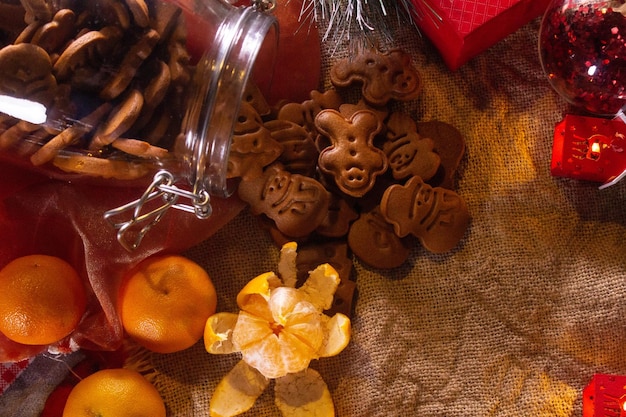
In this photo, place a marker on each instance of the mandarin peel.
(304, 394)
(287, 264)
(237, 392)
(278, 331)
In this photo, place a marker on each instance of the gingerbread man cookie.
(304, 113)
(383, 76)
(449, 145)
(352, 159)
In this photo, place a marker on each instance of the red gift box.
(461, 29)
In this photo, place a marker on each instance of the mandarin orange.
(165, 301)
(115, 392)
(43, 299)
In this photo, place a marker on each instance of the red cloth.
(65, 219)
(10, 371)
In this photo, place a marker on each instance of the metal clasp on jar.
(148, 210)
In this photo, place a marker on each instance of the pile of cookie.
(111, 74)
(343, 177)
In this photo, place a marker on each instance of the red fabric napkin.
(39, 214)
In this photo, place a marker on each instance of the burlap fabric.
(514, 322)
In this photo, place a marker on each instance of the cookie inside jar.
(110, 89)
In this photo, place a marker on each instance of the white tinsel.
(362, 21)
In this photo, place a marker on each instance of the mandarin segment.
(249, 330)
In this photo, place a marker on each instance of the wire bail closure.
(144, 213)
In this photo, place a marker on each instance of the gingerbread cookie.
(121, 119)
(164, 18)
(54, 34)
(383, 76)
(11, 19)
(253, 96)
(83, 53)
(127, 70)
(297, 204)
(352, 159)
(140, 12)
(156, 79)
(340, 215)
(449, 145)
(252, 146)
(412, 155)
(37, 10)
(26, 72)
(304, 113)
(299, 154)
(345, 297)
(373, 240)
(333, 253)
(438, 217)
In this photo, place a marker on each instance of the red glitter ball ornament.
(582, 46)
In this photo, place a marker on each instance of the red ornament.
(583, 52)
(605, 396)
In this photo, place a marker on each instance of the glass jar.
(132, 92)
(582, 46)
